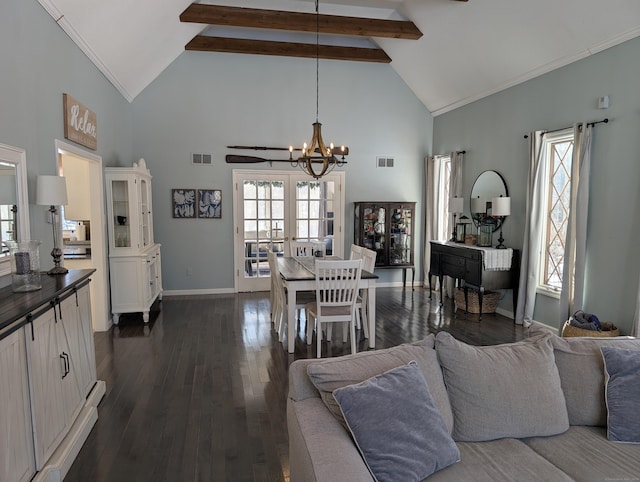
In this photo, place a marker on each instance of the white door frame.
(100, 301)
(290, 210)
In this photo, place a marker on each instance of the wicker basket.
(490, 301)
(609, 329)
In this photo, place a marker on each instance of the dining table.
(298, 274)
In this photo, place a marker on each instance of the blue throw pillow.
(396, 426)
(622, 393)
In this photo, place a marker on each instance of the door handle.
(65, 360)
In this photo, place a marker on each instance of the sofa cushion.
(504, 460)
(332, 373)
(622, 393)
(510, 390)
(581, 370)
(396, 426)
(585, 454)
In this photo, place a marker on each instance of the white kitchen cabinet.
(134, 257)
(17, 462)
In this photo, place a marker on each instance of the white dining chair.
(336, 293)
(279, 309)
(306, 248)
(362, 315)
(356, 252)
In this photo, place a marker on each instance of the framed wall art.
(210, 203)
(183, 202)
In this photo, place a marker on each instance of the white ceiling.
(467, 51)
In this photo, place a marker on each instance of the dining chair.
(306, 248)
(356, 252)
(336, 293)
(362, 316)
(279, 309)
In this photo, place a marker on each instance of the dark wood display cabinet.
(388, 229)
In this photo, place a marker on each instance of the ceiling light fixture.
(317, 152)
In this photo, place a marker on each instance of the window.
(558, 152)
(444, 227)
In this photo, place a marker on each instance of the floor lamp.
(52, 192)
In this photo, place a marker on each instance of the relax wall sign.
(80, 123)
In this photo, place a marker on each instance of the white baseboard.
(212, 291)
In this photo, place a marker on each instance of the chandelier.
(317, 152)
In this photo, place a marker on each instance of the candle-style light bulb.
(304, 149)
(290, 152)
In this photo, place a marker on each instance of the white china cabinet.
(134, 258)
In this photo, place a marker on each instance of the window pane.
(249, 189)
(559, 162)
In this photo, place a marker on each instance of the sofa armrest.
(300, 385)
(320, 449)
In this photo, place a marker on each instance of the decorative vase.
(25, 265)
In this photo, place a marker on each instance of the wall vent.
(202, 159)
(385, 161)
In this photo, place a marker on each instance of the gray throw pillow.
(622, 394)
(581, 370)
(332, 373)
(510, 390)
(396, 426)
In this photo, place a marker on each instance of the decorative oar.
(235, 159)
(336, 150)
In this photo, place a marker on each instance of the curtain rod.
(593, 123)
(461, 152)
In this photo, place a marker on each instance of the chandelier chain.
(317, 59)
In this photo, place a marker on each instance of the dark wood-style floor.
(200, 393)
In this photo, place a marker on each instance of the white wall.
(492, 129)
(204, 102)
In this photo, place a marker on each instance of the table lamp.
(52, 191)
(500, 208)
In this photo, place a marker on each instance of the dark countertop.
(16, 306)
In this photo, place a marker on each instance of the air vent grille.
(201, 159)
(385, 161)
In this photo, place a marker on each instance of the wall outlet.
(189, 271)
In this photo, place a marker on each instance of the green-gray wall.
(39, 63)
(204, 102)
(492, 129)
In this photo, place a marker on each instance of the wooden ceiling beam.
(299, 22)
(206, 43)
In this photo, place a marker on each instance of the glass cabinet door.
(120, 197)
(145, 213)
(400, 223)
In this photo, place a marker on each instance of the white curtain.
(455, 190)
(532, 245)
(635, 329)
(572, 295)
(434, 221)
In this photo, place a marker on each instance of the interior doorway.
(87, 247)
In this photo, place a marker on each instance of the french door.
(275, 207)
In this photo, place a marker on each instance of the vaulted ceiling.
(466, 50)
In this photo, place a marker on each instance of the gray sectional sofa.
(528, 411)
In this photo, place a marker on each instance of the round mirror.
(488, 185)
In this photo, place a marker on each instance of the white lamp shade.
(478, 205)
(501, 206)
(456, 204)
(51, 190)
